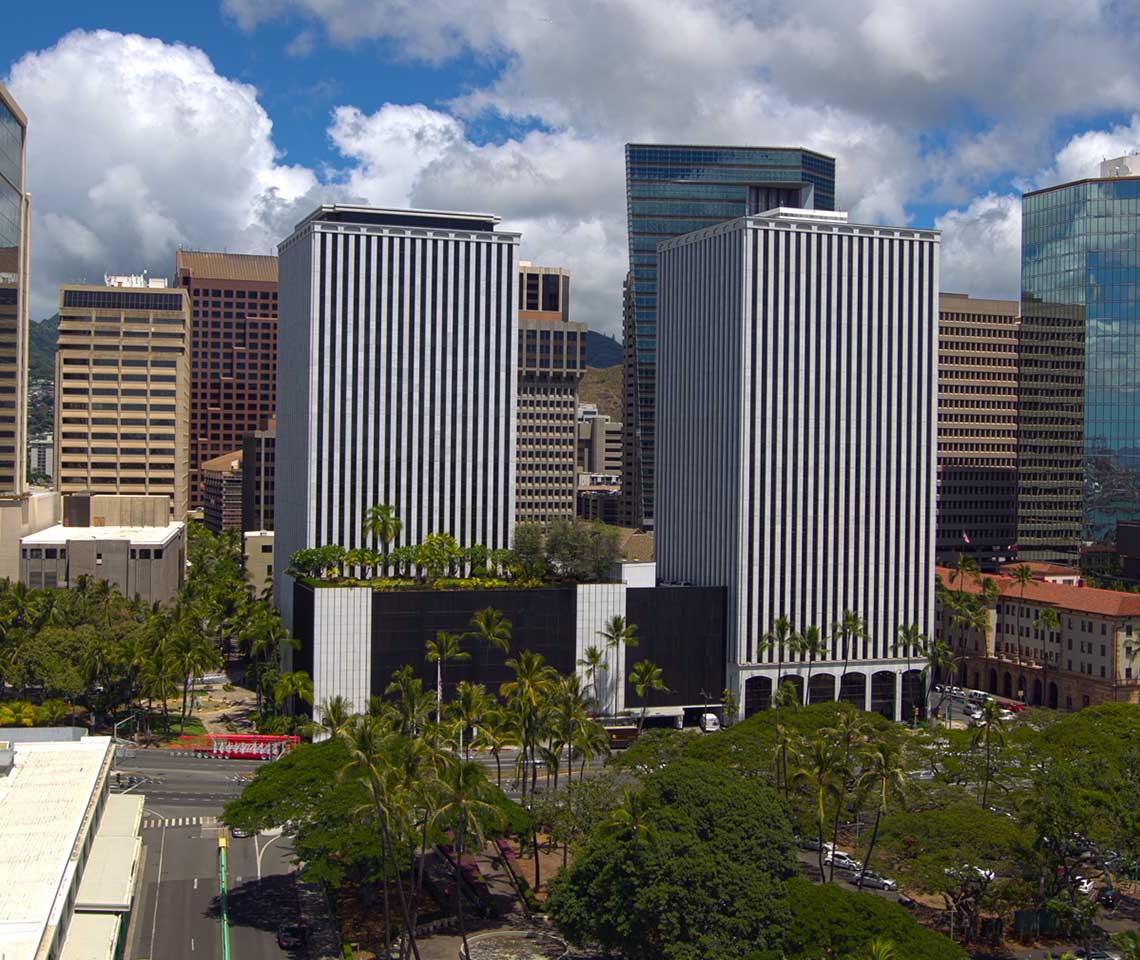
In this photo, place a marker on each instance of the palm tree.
(411, 700)
(776, 641)
(879, 949)
(850, 627)
(910, 638)
(529, 692)
(939, 662)
(965, 567)
(336, 714)
(851, 730)
(495, 734)
(368, 740)
(490, 626)
(786, 743)
(968, 614)
(569, 715)
(470, 706)
(1049, 621)
(381, 522)
(446, 646)
(824, 772)
(617, 634)
(593, 661)
(297, 684)
(463, 806)
(645, 678)
(630, 817)
(883, 771)
(812, 644)
(1022, 576)
(989, 732)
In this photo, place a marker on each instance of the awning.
(92, 936)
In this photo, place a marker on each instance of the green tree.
(812, 644)
(884, 773)
(336, 714)
(911, 639)
(383, 525)
(988, 734)
(617, 635)
(1128, 943)
(1049, 622)
(852, 730)
(529, 550)
(492, 628)
(294, 685)
(828, 921)
(469, 708)
(464, 806)
(593, 661)
(704, 878)
(778, 641)
(446, 646)
(850, 629)
(1023, 577)
(645, 678)
(823, 772)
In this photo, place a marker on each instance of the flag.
(964, 537)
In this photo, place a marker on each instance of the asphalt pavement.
(177, 911)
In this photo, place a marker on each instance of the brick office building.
(233, 342)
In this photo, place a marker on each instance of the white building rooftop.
(45, 803)
(140, 536)
(799, 213)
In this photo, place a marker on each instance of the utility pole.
(222, 849)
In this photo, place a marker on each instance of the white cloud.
(135, 146)
(981, 247)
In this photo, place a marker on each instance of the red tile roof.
(1041, 569)
(1104, 603)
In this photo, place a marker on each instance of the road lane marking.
(157, 889)
(195, 883)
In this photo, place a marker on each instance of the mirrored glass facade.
(672, 190)
(1079, 456)
(13, 291)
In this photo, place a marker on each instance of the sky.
(219, 125)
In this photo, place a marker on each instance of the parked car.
(1107, 898)
(238, 833)
(844, 861)
(709, 722)
(291, 935)
(1100, 953)
(1085, 886)
(876, 881)
(812, 843)
(970, 872)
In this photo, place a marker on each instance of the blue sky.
(220, 124)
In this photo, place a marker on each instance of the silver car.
(876, 881)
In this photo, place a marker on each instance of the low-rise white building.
(69, 851)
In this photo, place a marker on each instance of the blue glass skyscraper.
(672, 190)
(1079, 403)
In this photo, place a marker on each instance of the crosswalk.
(156, 823)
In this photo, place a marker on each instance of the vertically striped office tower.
(396, 379)
(797, 398)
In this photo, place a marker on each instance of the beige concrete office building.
(552, 359)
(122, 389)
(977, 429)
(148, 562)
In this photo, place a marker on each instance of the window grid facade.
(400, 354)
(552, 353)
(233, 340)
(1080, 392)
(798, 402)
(977, 429)
(122, 393)
(672, 190)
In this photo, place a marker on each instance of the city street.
(176, 911)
